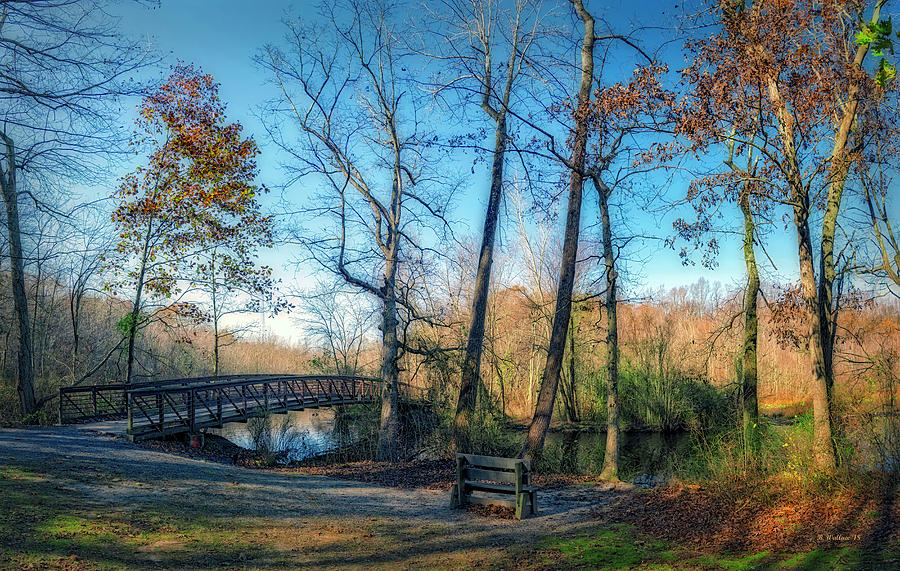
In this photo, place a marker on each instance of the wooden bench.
(497, 476)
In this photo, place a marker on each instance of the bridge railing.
(105, 402)
(157, 411)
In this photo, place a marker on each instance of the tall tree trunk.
(611, 457)
(36, 302)
(135, 315)
(216, 342)
(823, 446)
(75, 297)
(471, 368)
(25, 384)
(750, 402)
(215, 315)
(821, 393)
(838, 178)
(540, 423)
(573, 392)
(389, 429)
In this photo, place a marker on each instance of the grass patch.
(615, 547)
(620, 546)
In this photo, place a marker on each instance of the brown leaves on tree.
(788, 316)
(775, 58)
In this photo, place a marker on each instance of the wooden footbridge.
(160, 408)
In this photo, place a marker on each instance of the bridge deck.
(189, 405)
(92, 403)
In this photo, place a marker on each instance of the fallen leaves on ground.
(760, 517)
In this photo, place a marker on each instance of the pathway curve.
(111, 471)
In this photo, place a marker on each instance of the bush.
(9, 405)
(486, 434)
(672, 403)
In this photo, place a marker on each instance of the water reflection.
(305, 434)
(293, 436)
(582, 452)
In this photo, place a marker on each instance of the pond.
(301, 435)
(297, 435)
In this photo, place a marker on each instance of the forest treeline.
(764, 126)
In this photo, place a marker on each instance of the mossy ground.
(621, 547)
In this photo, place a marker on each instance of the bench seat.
(497, 488)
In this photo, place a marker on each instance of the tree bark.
(215, 314)
(821, 394)
(838, 178)
(136, 309)
(823, 446)
(572, 406)
(389, 428)
(749, 377)
(611, 457)
(25, 384)
(471, 369)
(540, 423)
(75, 297)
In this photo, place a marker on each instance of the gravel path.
(110, 471)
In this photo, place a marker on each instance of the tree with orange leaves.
(784, 80)
(195, 195)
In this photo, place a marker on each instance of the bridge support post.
(128, 409)
(192, 410)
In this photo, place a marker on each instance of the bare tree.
(483, 49)
(621, 118)
(340, 323)
(64, 65)
(344, 87)
(540, 423)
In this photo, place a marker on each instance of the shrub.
(9, 405)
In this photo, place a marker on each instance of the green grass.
(621, 547)
(615, 547)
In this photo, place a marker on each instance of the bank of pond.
(317, 436)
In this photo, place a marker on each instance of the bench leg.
(458, 498)
(524, 504)
(533, 498)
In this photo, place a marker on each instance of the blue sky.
(221, 37)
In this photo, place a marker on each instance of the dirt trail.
(113, 474)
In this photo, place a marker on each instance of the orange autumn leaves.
(195, 193)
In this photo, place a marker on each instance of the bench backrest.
(491, 468)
